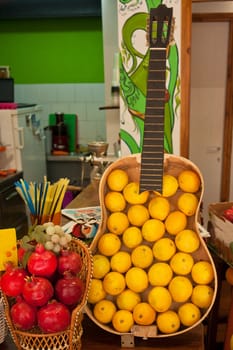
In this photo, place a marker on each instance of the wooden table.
(95, 338)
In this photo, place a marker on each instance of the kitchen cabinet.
(12, 208)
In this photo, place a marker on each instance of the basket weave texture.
(3, 325)
(70, 339)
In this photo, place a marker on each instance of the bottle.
(60, 135)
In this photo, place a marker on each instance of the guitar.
(148, 170)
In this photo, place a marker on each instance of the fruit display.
(43, 293)
(151, 268)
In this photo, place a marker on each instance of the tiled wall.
(81, 99)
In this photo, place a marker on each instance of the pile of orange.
(145, 267)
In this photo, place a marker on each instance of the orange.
(229, 275)
(127, 300)
(160, 298)
(138, 214)
(114, 201)
(122, 321)
(144, 314)
(153, 229)
(202, 272)
(159, 208)
(202, 295)
(114, 283)
(189, 314)
(188, 203)
(187, 241)
(136, 279)
(175, 222)
(96, 292)
(170, 185)
(117, 222)
(132, 195)
(180, 288)
(189, 181)
(182, 263)
(121, 261)
(142, 256)
(117, 179)
(160, 274)
(164, 249)
(168, 322)
(104, 311)
(109, 244)
(101, 266)
(132, 237)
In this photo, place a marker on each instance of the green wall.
(53, 50)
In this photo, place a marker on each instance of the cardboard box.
(221, 231)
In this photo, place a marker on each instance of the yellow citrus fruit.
(175, 222)
(160, 274)
(188, 203)
(164, 249)
(144, 314)
(160, 298)
(136, 279)
(117, 222)
(202, 272)
(132, 237)
(187, 241)
(159, 208)
(121, 261)
(152, 230)
(122, 321)
(229, 275)
(202, 295)
(189, 181)
(189, 314)
(104, 311)
(114, 201)
(132, 195)
(168, 322)
(127, 299)
(142, 256)
(109, 244)
(182, 263)
(96, 292)
(180, 288)
(117, 180)
(101, 266)
(138, 214)
(170, 185)
(114, 283)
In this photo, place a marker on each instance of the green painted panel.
(53, 51)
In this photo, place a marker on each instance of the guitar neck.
(152, 157)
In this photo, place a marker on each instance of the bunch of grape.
(51, 236)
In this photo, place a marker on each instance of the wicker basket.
(69, 339)
(3, 325)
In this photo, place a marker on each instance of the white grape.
(56, 248)
(55, 238)
(49, 245)
(58, 230)
(68, 237)
(50, 230)
(63, 241)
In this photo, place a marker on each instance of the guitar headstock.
(160, 27)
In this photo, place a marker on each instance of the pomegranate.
(42, 262)
(37, 291)
(69, 261)
(69, 289)
(23, 315)
(53, 317)
(13, 280)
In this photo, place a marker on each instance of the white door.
(208, 81)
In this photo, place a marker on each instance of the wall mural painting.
(134, 59)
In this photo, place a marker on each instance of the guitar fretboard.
(153, 144)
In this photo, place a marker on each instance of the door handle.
(21, 138)
(213, 149)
